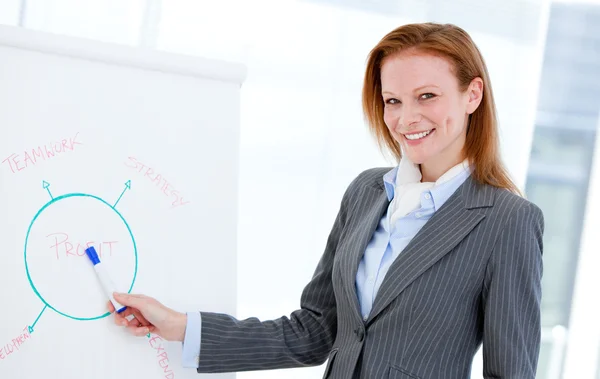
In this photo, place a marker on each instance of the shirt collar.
(408, 172)
(448, 183)
(388, 182)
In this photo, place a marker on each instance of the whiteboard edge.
(122, 55)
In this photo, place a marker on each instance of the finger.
(124, 317)
(134, 323)
(120, 320)
(141, 318)
(129, 300)
(138, 331)
(136, 295)
(130, 319)
(127, 312)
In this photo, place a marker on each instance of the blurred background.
(303, 138)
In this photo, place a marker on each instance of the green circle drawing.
(54, 200)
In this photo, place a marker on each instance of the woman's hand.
(149, 315)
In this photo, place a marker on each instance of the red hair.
(454, 44)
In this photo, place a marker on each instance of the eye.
(427, 96)
(392, 101)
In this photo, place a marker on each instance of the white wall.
(106, 20)
(9, 12)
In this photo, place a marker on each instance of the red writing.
(155, 342)
(158, 180)
(14, 345)
(63, 247)
(29, 158)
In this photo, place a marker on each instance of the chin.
(417, 161)
(415, 158)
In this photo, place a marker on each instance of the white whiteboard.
(135, 152)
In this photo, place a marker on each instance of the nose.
(409, 116)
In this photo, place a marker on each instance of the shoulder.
(516, 236)
(512, 212)
(514, 204)
(372, 177)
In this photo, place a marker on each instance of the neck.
(432, 171)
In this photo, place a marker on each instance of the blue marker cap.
(91, 253)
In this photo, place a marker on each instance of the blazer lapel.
(371, 207)
(444, 230)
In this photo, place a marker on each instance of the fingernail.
(124, 323)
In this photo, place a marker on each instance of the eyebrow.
(415, 90)
(426, 86)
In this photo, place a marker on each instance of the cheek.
(390, 119)
(445, 117)
(456, 124)
(438, 113)
(452, 126)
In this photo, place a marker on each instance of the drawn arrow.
(127, 186)
(46, 186)
(30, 328)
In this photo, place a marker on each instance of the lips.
(416, 137)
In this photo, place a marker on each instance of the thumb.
(129, 300)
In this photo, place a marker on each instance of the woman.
(425, 261)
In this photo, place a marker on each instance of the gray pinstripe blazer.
(470, 276)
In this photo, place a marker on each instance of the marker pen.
(107, 284)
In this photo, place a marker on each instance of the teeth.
(417, 135)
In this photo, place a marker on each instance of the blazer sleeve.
(303, 339)
(512, 297)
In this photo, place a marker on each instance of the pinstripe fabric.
(471, 275)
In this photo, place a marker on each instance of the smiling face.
(425, 110)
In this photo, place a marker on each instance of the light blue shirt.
(190, 357)
(385, 246)
(387, 243)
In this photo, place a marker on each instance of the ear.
(474, 94)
